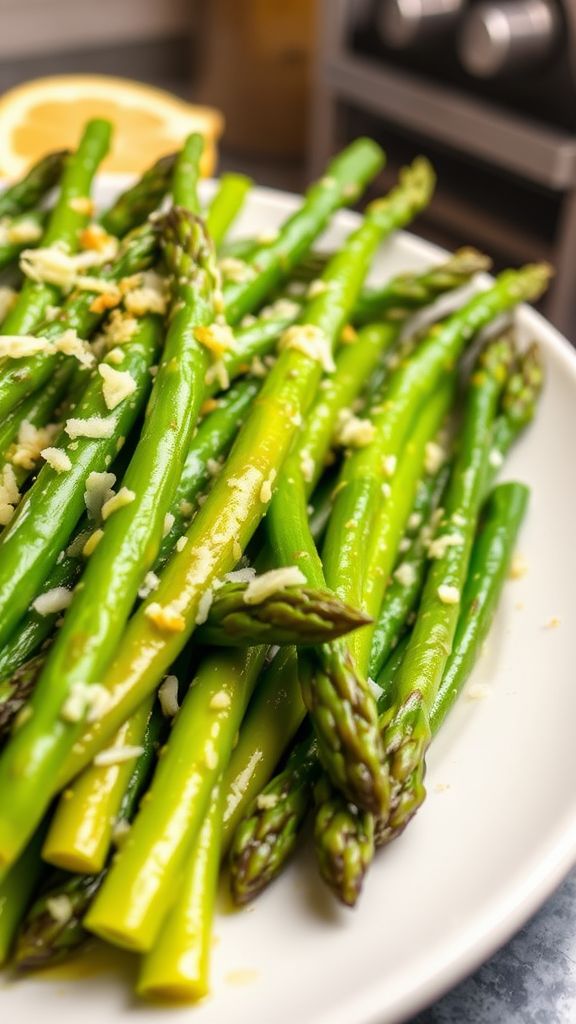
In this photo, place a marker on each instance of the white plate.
(498, 830)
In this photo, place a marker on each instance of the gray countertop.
(532, 980)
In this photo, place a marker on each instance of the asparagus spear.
(48, 512)
(17, 690)
(295, 615)
(36, 410)
(226, 204)
(407, 732)
(187, 174)
(517, 408)
(178, 965)
(66, 220)
(215, 540)
(26, 193)
(266, 837)
(94, 624)
(489, 563)
(45, 937)
(16, 890)
(135, 205)
(82, 828)
(338, 698)
(410, 291)
(79, 313)
(272, 262)
(265, 857)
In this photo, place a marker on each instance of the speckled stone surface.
(532, 980)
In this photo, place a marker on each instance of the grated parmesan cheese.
(18, 232)
(120, 328)
(240, 575)
(261, 587)
(217, 338)
(434, 457)
(204, 606)
(94, 426)
(85, 699)
(98, 492)
(518, 568)
(168, 697)
(9, 494)
(181, 543)
(124, 497)
(116, 356)
(60, 908)
(57, 459)
(266, 489)
(168, 524)
(217, 373)
(353, 432)
(312, 342)
(31, 440)
(165, 618)
(267, 801)
(92, 543)
(307, 466)
(405, 574)
(448, 594)
(53, 265)
(219, 701)
(238, 271)
(151, 582)
(117, 755)
(53, 601)
(438, 547)
(151, 295)
(117, 385)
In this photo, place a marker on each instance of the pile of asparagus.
(251, 542)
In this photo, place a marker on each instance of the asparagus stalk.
(50, 509)
(178, 966)
(82, 828)
(272, 262)
(26, 193)
(95, 622)
(213, 438)
(80, 314)
(295, 615)
(66, 220)
(235, 504)
(411, 291)
(338, 698)
(226, 204)
(407, 732)
(187, 174)
(517, 407)
(489, 563)
(17, 690)
(215, 540)
(45, 937)
(266, 837)
(135, 205)
(272, 848)
(16, 890)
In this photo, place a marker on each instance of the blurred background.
(486, 88)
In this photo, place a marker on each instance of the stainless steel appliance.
(488, 89)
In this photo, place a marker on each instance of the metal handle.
(403, 23)
(500, 38)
